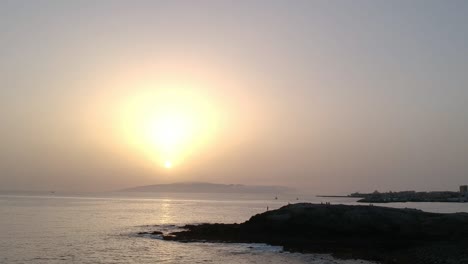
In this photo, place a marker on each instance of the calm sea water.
(62, 228)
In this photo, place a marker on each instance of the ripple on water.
(83, 230)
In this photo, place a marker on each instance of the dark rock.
(377, 233)
(151, 233)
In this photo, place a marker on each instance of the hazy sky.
(329, 96)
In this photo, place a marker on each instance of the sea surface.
(103, 228)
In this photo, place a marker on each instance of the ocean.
(103, 228)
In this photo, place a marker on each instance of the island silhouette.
(205, 187)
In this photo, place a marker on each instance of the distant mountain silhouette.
(204, 187)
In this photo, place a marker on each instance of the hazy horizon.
(324, 96)
(290, 190)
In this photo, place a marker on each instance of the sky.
(324, 96)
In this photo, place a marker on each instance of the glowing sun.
(169, 124)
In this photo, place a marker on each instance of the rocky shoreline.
(386, 235)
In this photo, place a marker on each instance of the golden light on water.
(169, 122)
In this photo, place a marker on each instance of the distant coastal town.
(413, 196)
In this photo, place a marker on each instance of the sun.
(169, 124)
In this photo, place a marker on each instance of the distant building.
(463, 189)
(464, 193)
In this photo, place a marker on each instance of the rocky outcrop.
(387, 235)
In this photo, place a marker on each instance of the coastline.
(374, 233)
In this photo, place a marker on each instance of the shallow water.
(103, 228)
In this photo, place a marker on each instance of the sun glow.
(169, 123)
